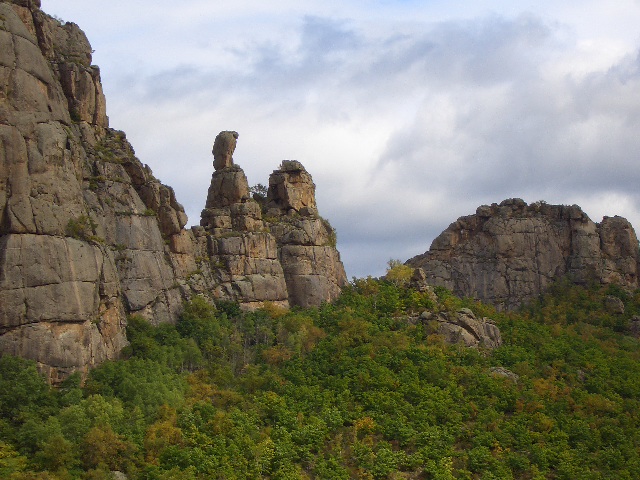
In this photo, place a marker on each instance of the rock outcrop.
(312, 267)
(509, 253)
(243, 254)
(88, 235)
(61, 299)
(286, 255)
(463, 327)
(454, 327)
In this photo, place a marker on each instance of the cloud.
(532, 135)
(407, 114)
(473, 113)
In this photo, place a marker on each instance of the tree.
(22, 388)
(398, 273)
(10, 461)
(259, 193)
(102, 446)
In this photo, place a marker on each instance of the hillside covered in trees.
(361, 388)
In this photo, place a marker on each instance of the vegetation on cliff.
(359, 389)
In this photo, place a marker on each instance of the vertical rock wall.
(83, 224)
(59, 288)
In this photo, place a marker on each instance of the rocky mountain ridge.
(88, 235)
(508, 253)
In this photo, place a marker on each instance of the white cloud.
(407, 114)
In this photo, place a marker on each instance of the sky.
(408, 114)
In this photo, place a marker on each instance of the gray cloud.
(576, 134)
(403, 127)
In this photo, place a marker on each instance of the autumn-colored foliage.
(362, 388)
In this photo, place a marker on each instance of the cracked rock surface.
(83, 223)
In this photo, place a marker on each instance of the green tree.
(398, 273)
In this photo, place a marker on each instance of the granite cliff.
(509, 253)
(88, 235)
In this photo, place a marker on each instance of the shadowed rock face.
(87, 234)
(509, 253)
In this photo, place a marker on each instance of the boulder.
(223, 148)
(228, 186)
(613, 305)
(291, 189)
(506, 373)
(463, 327)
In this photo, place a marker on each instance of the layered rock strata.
(88, 235)
(509, 253)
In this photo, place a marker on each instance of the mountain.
(510, 253)
(88, 235)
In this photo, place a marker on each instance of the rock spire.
(288, 251)
(223, 148)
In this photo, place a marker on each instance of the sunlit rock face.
(88, 235)
(509, 253)
(61, 299)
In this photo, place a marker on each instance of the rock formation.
(291, 191)
(223, 148)
(508, 253)
(460, 327)
(463, 327)
(289, 256)
(61, 301)
(88, 235)
(312, 267)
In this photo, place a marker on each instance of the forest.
(359, 389)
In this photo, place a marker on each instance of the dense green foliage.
(358, 389)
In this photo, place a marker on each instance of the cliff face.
(88, 235)
(509, 253)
